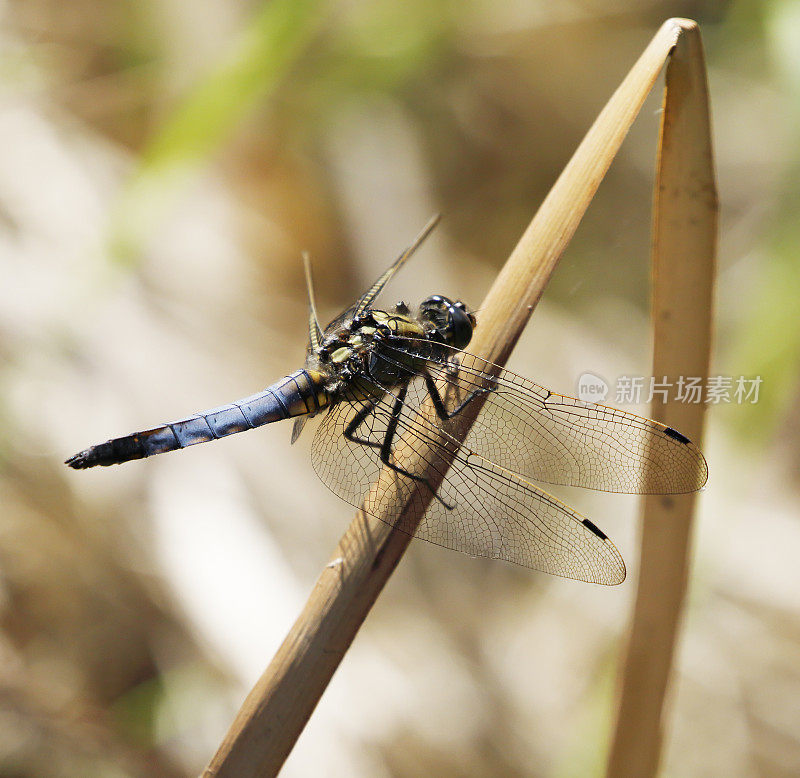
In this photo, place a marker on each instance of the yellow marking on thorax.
(399, 324)
(341, 355)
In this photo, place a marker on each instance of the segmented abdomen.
(300, 393)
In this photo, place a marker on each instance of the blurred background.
(163, 164)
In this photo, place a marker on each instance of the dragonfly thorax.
(351, 355)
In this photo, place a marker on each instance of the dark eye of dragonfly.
(452, 320)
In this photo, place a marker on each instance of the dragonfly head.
(453, 321)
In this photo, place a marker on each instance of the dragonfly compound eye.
(460, 325)
(463, 307)
(453, 322)
(434, 308)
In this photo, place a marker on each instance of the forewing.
(366, 300)
(557, 439)
(482, 510)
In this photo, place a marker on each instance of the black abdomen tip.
(102, 454)
(79, 461)
(95, 455)
(112, 452)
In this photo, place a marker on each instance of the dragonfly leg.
(386, 447)
(388, 439)
(438, 403)
(356, 422)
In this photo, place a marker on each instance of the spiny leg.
(388, 439)
(438, 403)
(356, 422)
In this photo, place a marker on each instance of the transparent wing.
(369, 296)
(556, 439)
(482, 510)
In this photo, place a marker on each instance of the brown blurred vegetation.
(162, 166)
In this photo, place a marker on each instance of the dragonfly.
(391, 384)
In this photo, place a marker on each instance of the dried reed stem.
(276, 710)
(683, 261)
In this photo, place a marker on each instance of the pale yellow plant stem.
(683, 260)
